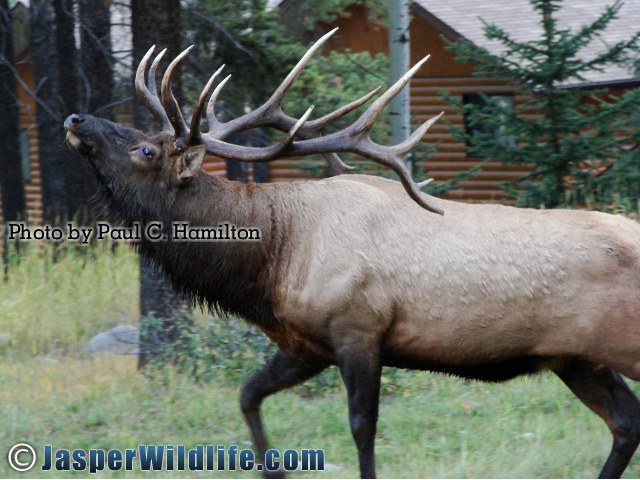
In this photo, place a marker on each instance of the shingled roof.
(463, 18)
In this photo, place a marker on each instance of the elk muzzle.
(73, 138)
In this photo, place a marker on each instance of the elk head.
(127, 161)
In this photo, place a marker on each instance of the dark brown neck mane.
(233, 276)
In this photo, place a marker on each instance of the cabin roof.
(464, 19)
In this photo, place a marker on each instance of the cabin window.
(24, 155)
(480, 100)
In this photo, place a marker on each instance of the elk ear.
(190, 162)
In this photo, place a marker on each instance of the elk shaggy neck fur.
(232, 276)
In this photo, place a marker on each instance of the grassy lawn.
(52, 392)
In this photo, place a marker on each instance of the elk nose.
(73, 119)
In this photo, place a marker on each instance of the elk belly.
(104, 230)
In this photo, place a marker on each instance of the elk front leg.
(604, 391)
(360, 367)
(280, 372)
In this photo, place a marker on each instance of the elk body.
(351, 271)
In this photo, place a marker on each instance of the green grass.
(56, 306)
(430, 426)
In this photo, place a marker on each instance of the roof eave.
(443, 27)
(624, 83)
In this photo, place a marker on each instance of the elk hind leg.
(603, 390)
(279, 373)
(361, 369)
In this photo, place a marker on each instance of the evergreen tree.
(578, 149)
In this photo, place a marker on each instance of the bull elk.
(351, 271)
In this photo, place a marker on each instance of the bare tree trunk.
(156, 22)
(80, 182)
(11, 176)
(96, 69)
(67, 55)
(399, 63)
(67, 182)
(96, 56)
(53, 153)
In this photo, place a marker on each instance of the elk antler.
(354, 138)
(149, 96)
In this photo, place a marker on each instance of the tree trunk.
(96, 68)
(157, 23)
(67, 55)
(67, 182)
(11, 176)
(96, 56)
(399, 63)
(80, 182)
(54, 155)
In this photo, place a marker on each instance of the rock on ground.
(121, 340)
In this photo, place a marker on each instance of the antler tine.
(392, 157)
(424, 183)
(264, 114)
(338, 167)
(255, 154)
(292, 133)
(319, 123)
(354, 139)
(313, 129)
(368, 118)
(278, 95)
(212, 120)
(150, 97)
(152, 72)
(169, 102)
(284, 122)
(277, 119)
(194, 130)
(406, 146)
(411, 187)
